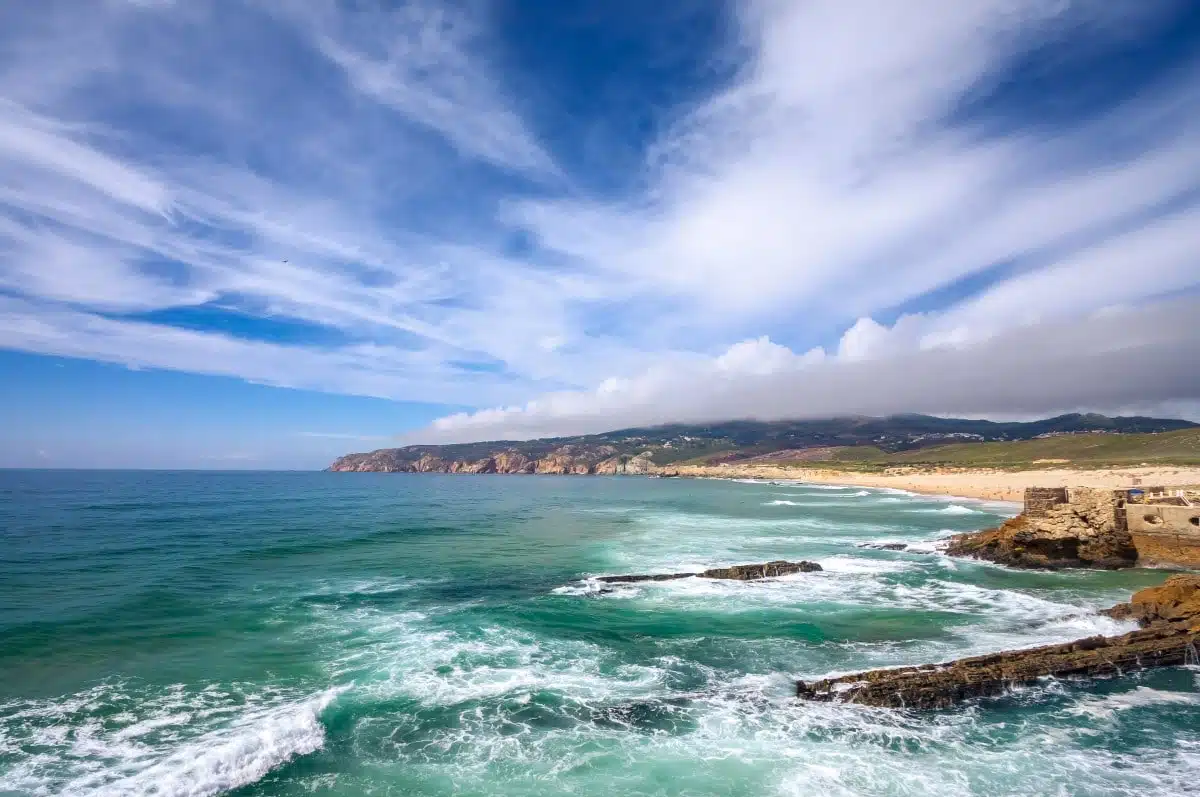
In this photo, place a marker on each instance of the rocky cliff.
(637, 450)
(564, 460)
(1081, 532)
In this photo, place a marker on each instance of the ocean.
(371, 634)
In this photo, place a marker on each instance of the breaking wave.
(953, 509)
(114, 741)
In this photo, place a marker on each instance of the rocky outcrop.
(735, 573)
(485, 465)
(564, 460)
(382, 461)
(1083, 532)
(943, 685)
(1178, 600)
(637, 465)
(769, 570)
(1170, 615)
(652, 577)
(514, 462)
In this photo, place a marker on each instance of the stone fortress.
(1163, 523)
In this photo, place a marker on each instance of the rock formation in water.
(1169, 614)
(1083, 532)
(1177, 600)
(735, 573)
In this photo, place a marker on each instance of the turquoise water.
(374, 634)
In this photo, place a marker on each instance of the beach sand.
(995, 485)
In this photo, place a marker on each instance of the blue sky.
(261, 234)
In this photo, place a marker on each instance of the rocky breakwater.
(1082, 531)
(735, 573)
(1170, 636)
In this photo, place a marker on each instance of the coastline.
(978, 483)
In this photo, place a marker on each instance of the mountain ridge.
(645, 449)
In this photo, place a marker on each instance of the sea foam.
(228, 758)
(152, 747)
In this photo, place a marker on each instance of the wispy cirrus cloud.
(415, 58)
(367, 176)
(107, 209)
(372, 438)
(835, 165)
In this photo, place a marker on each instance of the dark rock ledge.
(1170, 636)
(735, 573)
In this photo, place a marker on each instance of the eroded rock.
(1082, 533)
(774, 569)
(1171, 637)
(652, 577)
(1178, 600)
(736, 573)
(943, 685)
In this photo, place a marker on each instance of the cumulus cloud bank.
(1120, 358)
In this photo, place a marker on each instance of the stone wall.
(1090, 527)
(1165, 535)
(1040, 500)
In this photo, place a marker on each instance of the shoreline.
(975, 483)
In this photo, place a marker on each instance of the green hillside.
(851, 442)
(1087, 450)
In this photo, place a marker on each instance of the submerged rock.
(884, 546)
(1170, 614)
(736, 573)
(768, 570)
(655, 577)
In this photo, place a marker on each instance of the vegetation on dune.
(1181, 447)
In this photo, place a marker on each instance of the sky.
(264, 233)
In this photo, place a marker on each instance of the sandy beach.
(995, 485)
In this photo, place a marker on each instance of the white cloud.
(358, 175)
(828, 179)
(29, 141)
(108, 216)
(360, 369)
(344, 436)
(1107, 361)
(416, 57)
(761, 356)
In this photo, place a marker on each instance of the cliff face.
(564, 460)
(754, 442)
(1083, 532)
